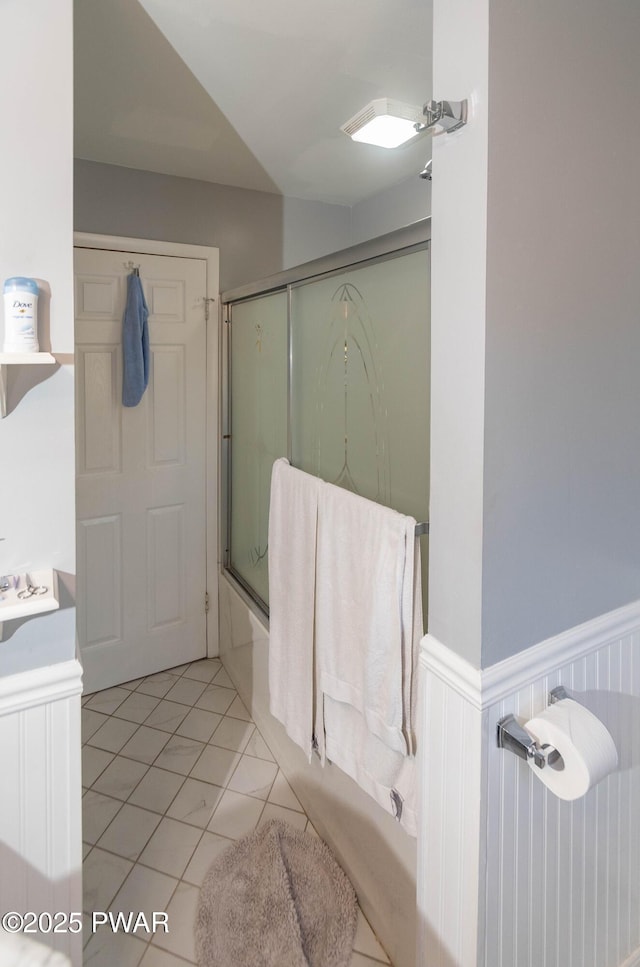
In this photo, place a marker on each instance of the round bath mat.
(276, 898)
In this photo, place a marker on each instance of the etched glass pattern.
(258, 428)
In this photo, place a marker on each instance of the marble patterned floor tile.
(158, 684)
(97, 812)
(145, 891)
(222, 679)
(108, 700)
(179, 754)
(94, 761)
(283, 795)
(216, 765)
(204, 670)
(91, 722)
(103, 875)
(107, 949)
(200, 762)
(199, 724)
(132, 685)
(155, 957)
(195, 802)
(256, 746)
(253, 777)
(120, 777)
(366, 941)
(167, 716)
(236, 815)
(156, 790)
(171, 847)
(238, 710)
(207, 850)
(186, 690)
(216, 699)
(145, 745)
(291, 816)
(181, 669)
(113, 734)
(182, 912)
(232, 734)
(136, 707)
(129, 832)
(359, 960)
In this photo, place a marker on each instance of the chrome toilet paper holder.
(513, 737)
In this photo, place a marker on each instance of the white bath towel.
(293, 515)
(387, 776)
(368, 613)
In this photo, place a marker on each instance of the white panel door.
(140, 471)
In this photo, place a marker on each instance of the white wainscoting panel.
(558, 882)
(40, 804)
(450, 827)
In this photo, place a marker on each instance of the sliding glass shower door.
(258, 412)
(334, 373)
(360, 381)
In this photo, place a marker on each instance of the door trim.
(119, 243)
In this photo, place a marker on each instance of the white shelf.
(11, 606)
(26, 359)
(19, 359)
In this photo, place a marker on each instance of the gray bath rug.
(276, 898)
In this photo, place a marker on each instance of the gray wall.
(458, 299)
(258, 233)
(37, 483)
(561, 533)
(400, 205)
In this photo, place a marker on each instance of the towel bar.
(422, 528)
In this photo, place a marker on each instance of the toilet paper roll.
(588, 753)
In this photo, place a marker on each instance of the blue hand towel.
(135, 343)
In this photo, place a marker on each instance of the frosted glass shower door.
(258, 429)
(360, 390)
(361, 380)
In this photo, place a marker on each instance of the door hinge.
(206, 602)
(207, 300)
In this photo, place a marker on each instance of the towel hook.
(132, 267)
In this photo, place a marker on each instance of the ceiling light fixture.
(385, 123)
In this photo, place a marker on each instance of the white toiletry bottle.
(20, 315)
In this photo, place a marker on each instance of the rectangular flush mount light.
(384, 122)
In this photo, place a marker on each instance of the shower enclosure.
(332, 371)
(328, 365)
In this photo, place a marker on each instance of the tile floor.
(174, 770)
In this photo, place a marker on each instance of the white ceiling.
(250, 93)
